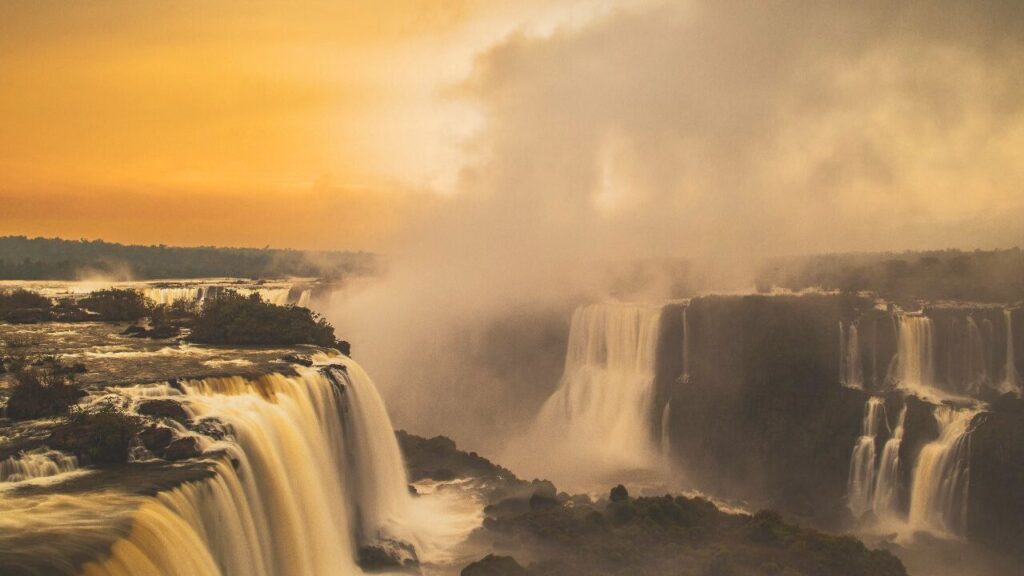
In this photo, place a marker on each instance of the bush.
(24, 306)
(117, 304)
(101, 438)
(42, 389)
(231, 318)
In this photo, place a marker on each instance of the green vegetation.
(980, 276)
(117, 304)
(23, 258)
(669, 535)
(42, 388)
(231, 318)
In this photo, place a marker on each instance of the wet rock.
(28, 316)
(387, 555)
(156, 438)
(492, 565)
(133, 330)
(344, 347)
(300, 359)
(182, 449)
(164, 408)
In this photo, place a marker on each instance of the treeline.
(23, 258)
(978, 276)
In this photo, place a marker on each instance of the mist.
(662, 151)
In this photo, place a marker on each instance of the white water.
(884, 499)
(304, 298)
(915, 367)
(1011, 379)
(851, 367)
(938, 498)
(39, 463)
(317, 471)
(976, 364)
(666, 437)
(170, 295)
(600, 419)
(862, 461)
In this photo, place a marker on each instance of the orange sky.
(312, 124)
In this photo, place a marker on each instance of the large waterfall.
(863, 461)
(309, 470)
(600, 417)
(938, 498)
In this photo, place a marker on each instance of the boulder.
(386, 555)
(156, 438)
(163, 408)
(300, 359)
(182, 449)
(492, 565)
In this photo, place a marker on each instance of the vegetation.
(23, 258)
(24, 306)
(100, 437)
(231, 318)
(117, 304)
(980, 276)
(42, 388)
(669, 535)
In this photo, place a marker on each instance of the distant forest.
(23, 258)
(978, 276)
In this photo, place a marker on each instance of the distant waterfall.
(1011, 379)
(687, 347)
(666, 437)
(938, 499)
(168, 295)
(311, 468)
(976, 361)
(851, 367)
(304, 298)
(915, 350)
(863, 461)
(886, 492)
(38, 463)
(602, 412)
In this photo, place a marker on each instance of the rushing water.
(851, 367)
(938, 498)
(885, 497)
(310, 470)
(600, 417)
(38, 463)
(915, 351)
(1011, 379)
(862, 462)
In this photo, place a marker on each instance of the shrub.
(101, 437)
(24, 306)
(42, 389)
(117, 304)
(231, 318)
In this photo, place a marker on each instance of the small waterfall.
(603, 408)
(167, 295)
(885, 499)
(686, 344)
(1011, 379)
(38, 463)
(976, 363)
(310, 469)
(938, 498)
(863, 461)
(850, 364)
(304, 298)
(666, 438)
(915, 350)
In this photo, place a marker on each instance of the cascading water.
(885, 497)
(309, 470)
(915, 352)
(686, 344)
(938, 499)
(849, 349)
(304, 298)
(862, 461)
(39, 463)
(666, 438)
(1011, 379)
(600, 417)
(976, 366)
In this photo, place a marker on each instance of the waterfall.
(666, 439)
(38, 463)
(602, 412)
(170, 295)
(304, 298)
(862, 460)
(852, 370)
(915, 350)
(686, 344)
(976, 365)
(938, 498)
(886, 492)
(309, 470)
(1011, 379)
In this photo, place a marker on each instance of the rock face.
(182, 449)
(164, 408)
(996, 489)
(492, 565)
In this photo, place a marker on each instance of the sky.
(593, 126)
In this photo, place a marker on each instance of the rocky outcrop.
(492, 565)
(164, 408)
(996, 489)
